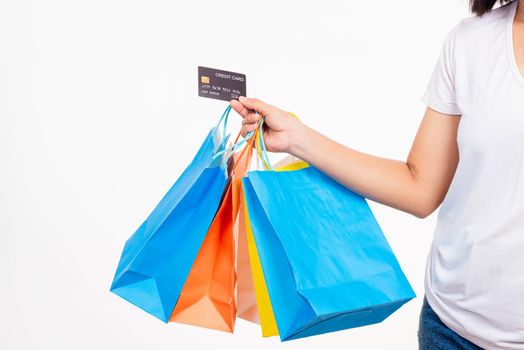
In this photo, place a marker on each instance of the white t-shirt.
(475, 269)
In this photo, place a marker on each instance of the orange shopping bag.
(208, 296)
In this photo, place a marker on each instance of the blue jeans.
(435, 335)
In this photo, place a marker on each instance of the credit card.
(220, 84)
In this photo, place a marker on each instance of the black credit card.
(220, 84)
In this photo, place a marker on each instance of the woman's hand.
(281, 127)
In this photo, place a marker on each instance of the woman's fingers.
(251, 118)
(251, 110)
(239, 108)
(247, 128)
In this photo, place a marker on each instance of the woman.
(468, 154)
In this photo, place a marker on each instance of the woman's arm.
(416, 186)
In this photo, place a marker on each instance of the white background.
(99, 114)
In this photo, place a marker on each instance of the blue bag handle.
(231, 149)
(223, 122)
(265, 157)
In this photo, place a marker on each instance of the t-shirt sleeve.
(440, 91)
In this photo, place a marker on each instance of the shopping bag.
(262, 302)
(325, 260)
(246, 296)
(208, 296)
(264, 308)
(157, 258)
(253, 302)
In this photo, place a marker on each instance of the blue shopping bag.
(157, 258)
(325, 260)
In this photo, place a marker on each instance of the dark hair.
(480, 7)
